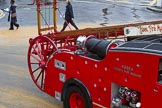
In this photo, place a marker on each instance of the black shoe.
(11, 29)
(18, 26)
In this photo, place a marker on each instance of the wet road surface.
(100, 12)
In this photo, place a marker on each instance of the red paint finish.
(126, 78)
(76, 101)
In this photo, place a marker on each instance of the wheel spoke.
(39, 75)
(36, 69)
(35, 58)
(34, 63)
(36, 51)
(39, 50)
(42, 81)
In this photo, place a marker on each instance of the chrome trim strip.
(101, 106)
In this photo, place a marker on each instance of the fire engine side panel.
(100, 84)
(126, 69)
(53, 84)
(137, 71)
(92, 73)
(152, 90)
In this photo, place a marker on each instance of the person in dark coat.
(12, 16)
(69, 16)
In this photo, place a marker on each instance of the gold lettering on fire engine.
(150, 29)
(143, 30)
(128, 70)
(136, 75)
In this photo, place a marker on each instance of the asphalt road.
(17, 89)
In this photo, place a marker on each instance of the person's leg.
(65, 25)
(11, 26)
(15, 24)
(73, 24)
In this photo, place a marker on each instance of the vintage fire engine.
(93, 68)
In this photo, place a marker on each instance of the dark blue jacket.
(13, 13)
(69, 12)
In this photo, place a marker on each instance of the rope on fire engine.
(46, 23)
(49, 15)
(46, 17)
(45, 14)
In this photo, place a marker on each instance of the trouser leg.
(64, 26)
(11, 26)
(15, 24)
(73, 24)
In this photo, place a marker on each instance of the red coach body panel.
(128, 75)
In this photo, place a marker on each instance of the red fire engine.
(89, 69)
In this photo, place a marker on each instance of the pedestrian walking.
(12, 17)
(69, 16)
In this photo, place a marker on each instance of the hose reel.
(97, 46)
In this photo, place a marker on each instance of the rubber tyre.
(70, 91)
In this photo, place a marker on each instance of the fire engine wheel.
(40, 50)
(76, 98)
